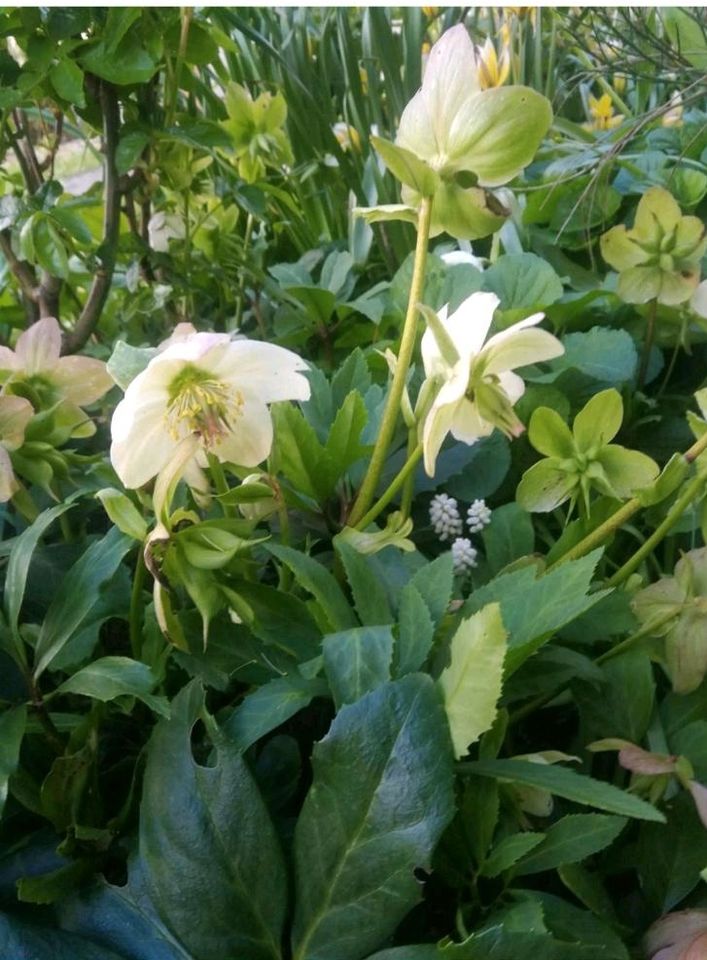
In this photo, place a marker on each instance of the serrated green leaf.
(380, 798)
(357, 661)
(315, 578)
(269, 706)
(415, 632)
(570, 840)
(207, 827)
(509, 851)
(111, 677)
(567, 784)
(471, 684)
(369, 594)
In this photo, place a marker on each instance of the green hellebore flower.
(581, 459)
(685, 596)
(256, 128)
(455, 140)
(659, 258)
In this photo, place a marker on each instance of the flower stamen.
(201, 405)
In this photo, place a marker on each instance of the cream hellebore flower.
(211, 389)
(673, 117)
(36, 369)
(468, 137)
(479, 387)
(678, 936)
(15, 414)
(163, 227)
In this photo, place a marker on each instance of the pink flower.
(678, 936)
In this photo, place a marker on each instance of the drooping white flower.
(478, 516)
(208, 387)
(478, 386)
(463, 556)
(163, 227)
(36, 369)
(15, 414)
(444, 517)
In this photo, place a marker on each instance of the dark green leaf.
(269, 706)
(20, 940)
(415, 632)
(111, 677)
(77, 595)
(380, 798)
(322, 584)
(572, 839)
(522, 280)
(568, 784)
(12, 730)
(509, 851)
(67, 79)
(212, 861)
(357, 661)
(369, 593)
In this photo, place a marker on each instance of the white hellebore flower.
(207, 387)
(15, 414)
(478, 386)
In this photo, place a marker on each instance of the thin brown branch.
(100, 287)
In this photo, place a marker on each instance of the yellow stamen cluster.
(203, 406)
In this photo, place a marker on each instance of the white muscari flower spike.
(463, 556)
(478, 516)
(444, 517)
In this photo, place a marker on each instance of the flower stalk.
(406, 471)
(407, 343)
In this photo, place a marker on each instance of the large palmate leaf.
(380, 799)
(20, 940)
(212, 862)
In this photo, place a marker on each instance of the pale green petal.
(15, 414)
(686, 651)
(679, 286)
(544, 487)
(620, 251)
(640, 284)
(598, 422)
(690, 240)
(627, 470)
(550, 435)
(8, 484)
(450, 79)
(657, 214)
(81, 379)
(496, 133)
(468, 425)
(462, 213)
(524, 347)
(38, 348)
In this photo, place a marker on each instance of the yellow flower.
(492, 69)
(347, 136)
(619, 82)
(602, 113)
(431, 12)
(363, 76)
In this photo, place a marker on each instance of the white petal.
(251, 440)
(81, 379)
(526, 346)
(193, 347)
(450, 79)
(15, 414)
(468, 425)
(512, 385)
(8, 361)
(437, 425)
(39, 347)
(270, 372)
(142, 444)
(469, 325)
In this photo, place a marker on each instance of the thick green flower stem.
(648, 630)
(407, 343)
(690, 493)
(647, 343)
(136, 606)
(622, 515)
(409, 486)
(220, 483)
(405, 471)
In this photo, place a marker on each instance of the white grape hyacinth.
(478, 516)
(445, 517)
(464, 556)
(209, 389)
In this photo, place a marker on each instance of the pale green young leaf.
(471, 684)
(406, 167)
